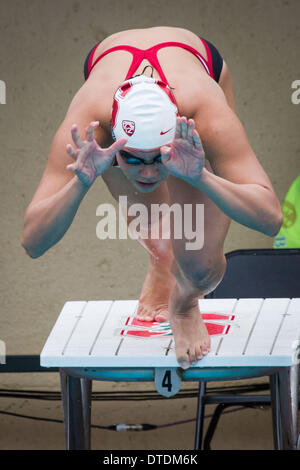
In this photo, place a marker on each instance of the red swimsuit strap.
(209, 58)
(137, 57)
(151, 55)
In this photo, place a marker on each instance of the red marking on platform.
(212, 328)
(126, 323)
(144, 333)
(214, 316)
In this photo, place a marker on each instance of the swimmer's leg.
(157, 286)
(155, 292)
(197, 272)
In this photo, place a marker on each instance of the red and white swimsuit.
(213, 64)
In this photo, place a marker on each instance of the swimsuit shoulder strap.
(136, 60)
(151, 55)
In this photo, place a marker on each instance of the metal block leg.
(63, 386)
(86, 393)
(284, 393)
(73, 412)
(294, 381)
(200, 415)
(274, 388)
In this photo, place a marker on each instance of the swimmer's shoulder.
(86, 106)
(195, 92)
(95, 99)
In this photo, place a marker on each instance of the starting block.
(102, 340)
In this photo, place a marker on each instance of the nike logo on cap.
(162, 132)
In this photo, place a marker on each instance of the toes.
(184, 364)
(150, 315)
(143, 315)
(144, 318)
(205, 348)
(202, 351)
(193, 358)
(183, 361)
(161, 317)
(199, 354)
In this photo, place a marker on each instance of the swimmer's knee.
(203, 274)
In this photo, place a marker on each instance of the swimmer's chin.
(143, 188)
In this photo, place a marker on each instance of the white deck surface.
(244, 333)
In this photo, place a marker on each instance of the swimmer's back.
(184, 72)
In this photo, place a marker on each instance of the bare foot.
(153, 303)
(192, 340)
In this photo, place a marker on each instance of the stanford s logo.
(128, 127)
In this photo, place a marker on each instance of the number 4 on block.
(167, 381)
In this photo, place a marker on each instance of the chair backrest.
(260, 273)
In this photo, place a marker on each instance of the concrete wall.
(43, 44)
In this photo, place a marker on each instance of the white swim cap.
(144, 111)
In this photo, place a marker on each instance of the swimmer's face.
(143, 168)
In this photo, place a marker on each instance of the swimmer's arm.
(47, 220)
(60, 192)
(239, 186)
(251, 205)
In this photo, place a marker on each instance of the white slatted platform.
(244, 333)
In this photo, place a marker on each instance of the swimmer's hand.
(90, 160)
(184, 157)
